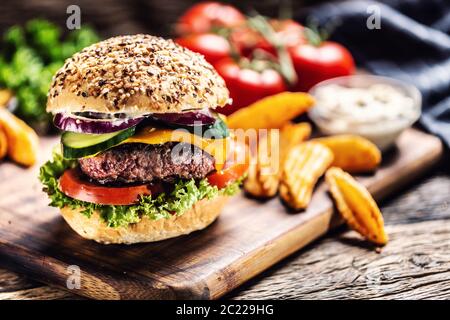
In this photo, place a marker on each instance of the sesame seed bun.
(136, 74)
(202, 214)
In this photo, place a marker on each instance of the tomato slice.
(232, 169)
(228, 175)
(73, 186)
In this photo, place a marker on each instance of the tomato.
(212, 46)
(289, 32)
(233, 169)
(73, 186)
(314, 64)
(206, 16)
(246, 85)
(227, 175)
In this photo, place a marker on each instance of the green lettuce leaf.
(185, 194)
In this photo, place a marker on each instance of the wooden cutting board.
(248, 237)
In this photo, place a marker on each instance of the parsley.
(29, 57)
(185, 194)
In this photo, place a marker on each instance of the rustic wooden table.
(414, 265)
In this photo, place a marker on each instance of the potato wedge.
(352, 153)
(23, 142)
(264, 174)
(3, 143)
(271, 112)
(262, 178)
(356, 206)
(5, 95)
(304, 165)
(293, 134)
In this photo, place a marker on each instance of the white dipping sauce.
(379, 112)
(376, 103)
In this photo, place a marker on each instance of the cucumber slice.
(79, 145)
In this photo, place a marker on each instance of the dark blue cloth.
(413, 44)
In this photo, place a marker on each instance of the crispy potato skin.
(3, 143)
(22, 141)
(356, 206)
(264, 175)
(303, 167)
(293, 134)
(352, 153)
(272, 112)
(262, 178)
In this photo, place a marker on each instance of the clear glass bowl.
(381, 132)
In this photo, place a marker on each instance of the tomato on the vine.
(296, 57)
(315, 63)
(246, 40)
(212, 46)
(247, 85)
(207, 16)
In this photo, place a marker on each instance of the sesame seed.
(168, 76)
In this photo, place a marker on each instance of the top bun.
(136, 74)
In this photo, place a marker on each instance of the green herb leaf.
(29, 57)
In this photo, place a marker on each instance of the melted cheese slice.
(218, 148)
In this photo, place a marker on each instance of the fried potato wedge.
(356, 206)
(5, 96)
(293, 134)
(304, 165)
(3, 143)
(271, 112)
(352, 153)
(23, 142)
(264, 173)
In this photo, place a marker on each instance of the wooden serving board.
(247, 238)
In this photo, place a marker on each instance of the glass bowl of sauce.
(377, 108)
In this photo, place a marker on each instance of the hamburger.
(143, 155)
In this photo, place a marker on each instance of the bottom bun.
(202, 214)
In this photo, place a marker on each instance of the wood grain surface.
(414, 265)
(420, 211)
(248, 238)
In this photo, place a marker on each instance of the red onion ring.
(97, 126)
(190, 118)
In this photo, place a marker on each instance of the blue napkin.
(412, 44)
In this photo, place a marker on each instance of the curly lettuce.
(184, 195)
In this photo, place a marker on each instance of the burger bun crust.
(202, 214)
(136, 74)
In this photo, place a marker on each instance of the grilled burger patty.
(142, 163)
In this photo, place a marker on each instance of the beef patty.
(141, 163)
